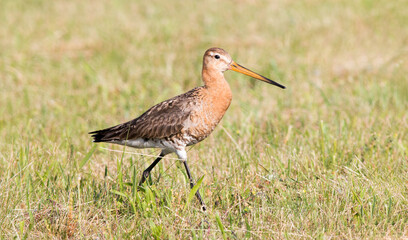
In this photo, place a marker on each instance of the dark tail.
(100, 135)
(106, 135)
(110, 134)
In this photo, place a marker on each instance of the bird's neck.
(218, 90)
(215, 82)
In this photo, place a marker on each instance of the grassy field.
(327, 158)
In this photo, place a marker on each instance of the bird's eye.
(217, 56)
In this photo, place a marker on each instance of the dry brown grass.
(325, 158)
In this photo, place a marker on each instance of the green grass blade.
(220, 226)
(87, 157)
(119, 193)
(193, 191)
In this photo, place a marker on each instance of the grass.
(325, 158)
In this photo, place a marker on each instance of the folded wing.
(162, 120)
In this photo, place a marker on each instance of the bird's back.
(160, 121)
(182, 120)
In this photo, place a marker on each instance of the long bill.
(238, 68)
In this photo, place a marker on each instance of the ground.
(325, 158)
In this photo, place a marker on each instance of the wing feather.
(162, 120)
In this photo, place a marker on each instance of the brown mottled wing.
(162, 120)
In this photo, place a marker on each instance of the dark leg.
(192, 185)
(146, 173)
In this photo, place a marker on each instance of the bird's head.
(219, 60)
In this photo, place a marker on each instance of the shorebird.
(184, 120)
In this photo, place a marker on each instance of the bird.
(183, 120)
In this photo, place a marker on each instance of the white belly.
(147, 143)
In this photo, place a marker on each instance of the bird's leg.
(146, 173)
(183, 157)
(192, 185)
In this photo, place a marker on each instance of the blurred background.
(333, 143)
